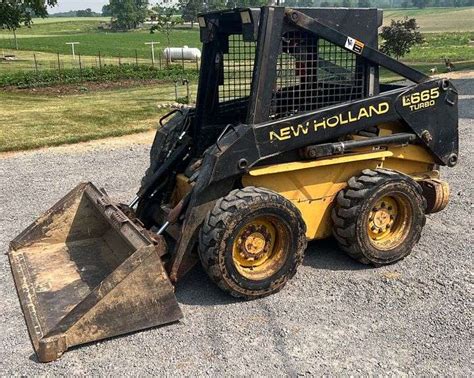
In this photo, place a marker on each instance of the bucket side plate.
(96, 276)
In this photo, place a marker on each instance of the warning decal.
(354, 45)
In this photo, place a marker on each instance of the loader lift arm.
(316, 26)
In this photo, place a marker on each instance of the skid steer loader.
(293, 138)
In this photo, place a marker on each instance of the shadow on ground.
(198, 290)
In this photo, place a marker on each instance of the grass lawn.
(455, 46)
(31, 121)
(431, 54)
(108, 44)
(24, 61)
(60, 26)
(55, 20)
(448, 32)
(436, 19)
(52, 37)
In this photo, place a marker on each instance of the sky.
(67, 5)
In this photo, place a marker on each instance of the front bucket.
(86, 272)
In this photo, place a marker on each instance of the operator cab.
(257, 57)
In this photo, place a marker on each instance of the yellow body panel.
(410, 159)
(299, 165)
(182, 188)
(313, 185)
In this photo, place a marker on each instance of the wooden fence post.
(36, 63)
(59, 68)
(182, 56)
(80, 67)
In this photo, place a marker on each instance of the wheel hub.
(254, 242)
(382, 217)
(260, 247)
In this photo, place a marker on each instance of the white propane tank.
(180, 53)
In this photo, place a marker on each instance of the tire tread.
(348, 204)
(214, 227)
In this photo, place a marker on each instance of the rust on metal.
(84, 272)
(436, 193)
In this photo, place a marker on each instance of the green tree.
(190, 9)
(166, 21)
(213, 5)
(128, 14)
(420, 3)
(346, 3)
(15, 13)
(400, 37)
(85, 13)
(363, 3)
(106, 11)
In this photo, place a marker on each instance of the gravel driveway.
(335, 317)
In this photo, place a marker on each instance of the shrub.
(33, 79)
(400, 37)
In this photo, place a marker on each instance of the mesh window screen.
(312, 74)
(238, 69)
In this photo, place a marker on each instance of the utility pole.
(73, 50)
(152, 44)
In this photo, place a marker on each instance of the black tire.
(223, 229)
(356, 207)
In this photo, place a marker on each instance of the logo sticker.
(318, 125)
(421, 100)
(354, 45)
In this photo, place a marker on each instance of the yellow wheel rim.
(260, 248)
(389, 221)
